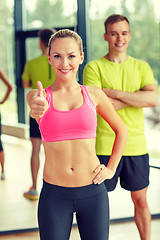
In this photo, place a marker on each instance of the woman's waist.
(70, 174)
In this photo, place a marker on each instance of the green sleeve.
(147, 75)
(91, 75)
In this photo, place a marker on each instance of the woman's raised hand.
(38, 103)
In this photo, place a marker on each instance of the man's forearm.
(147, 97)
(138, 99)
(117, 104)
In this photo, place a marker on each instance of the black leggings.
(57, 205)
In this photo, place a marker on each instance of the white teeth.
(65, 70)
(120, 44)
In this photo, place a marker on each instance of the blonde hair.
(65, 33)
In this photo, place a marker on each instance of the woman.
(73, 176)
(4, 79)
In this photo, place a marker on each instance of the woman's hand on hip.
(103, 173)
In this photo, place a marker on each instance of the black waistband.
(74, 192)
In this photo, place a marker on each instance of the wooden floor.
(18, 213)
(122, 231)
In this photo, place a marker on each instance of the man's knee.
(139, 198)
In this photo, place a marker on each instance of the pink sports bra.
(79, 123)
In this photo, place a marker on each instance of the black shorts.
(34, 128)
(1, 147)
(133, 172)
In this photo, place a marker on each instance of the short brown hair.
(66, 33)
(45, 34)
(113, 19)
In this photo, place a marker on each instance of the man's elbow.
(25, 84)
(154, 98)
(154, 102)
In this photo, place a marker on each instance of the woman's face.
(65, 57)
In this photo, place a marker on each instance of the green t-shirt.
(39, 69)
(131, 75)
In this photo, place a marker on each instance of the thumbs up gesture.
(40, 89)
(37, 102)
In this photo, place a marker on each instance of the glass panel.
(9, 108)
(49, 13)
(32, 48)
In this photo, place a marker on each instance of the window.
(50, 13)
(9, 108)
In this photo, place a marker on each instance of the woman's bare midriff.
(70, 163)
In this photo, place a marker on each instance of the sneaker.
(32, 194)
(3, 176)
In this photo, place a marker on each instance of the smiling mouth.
(65, 70)
(119, 44)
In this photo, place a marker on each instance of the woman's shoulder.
(95, 93)
(93, 89)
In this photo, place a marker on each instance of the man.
(129, 84)
(37, 69)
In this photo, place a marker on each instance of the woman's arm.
(108, 113)
(9, 87)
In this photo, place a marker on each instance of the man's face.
(118, 36)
